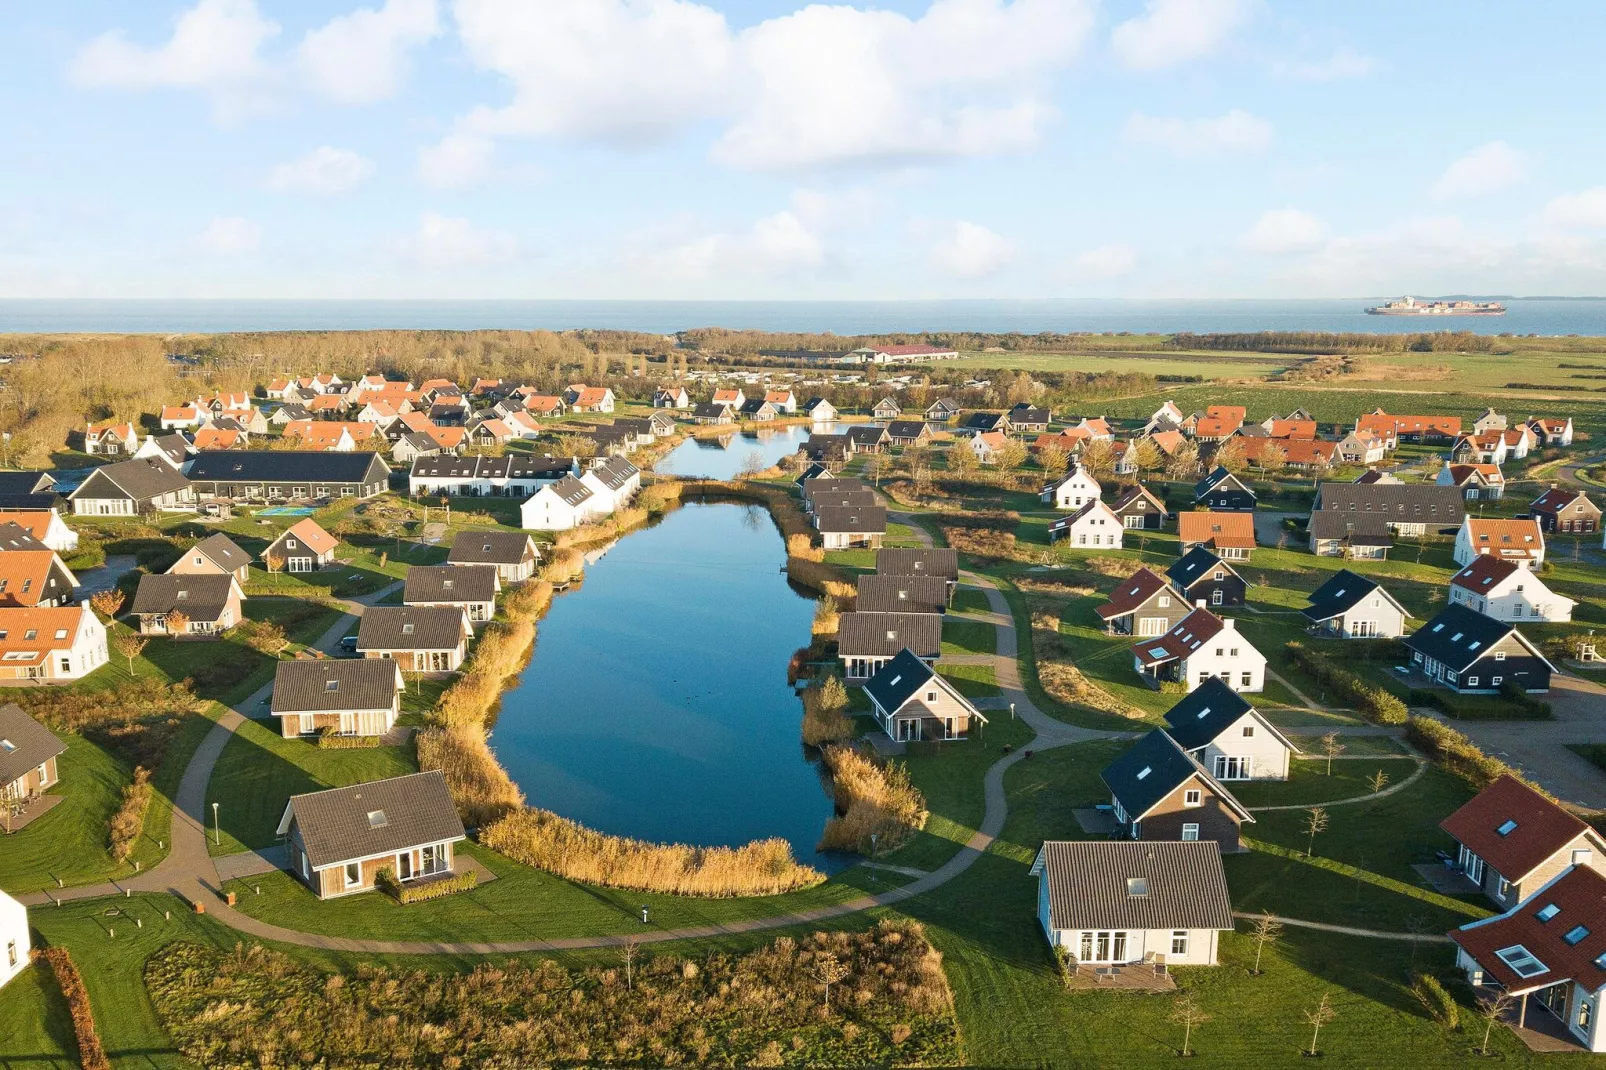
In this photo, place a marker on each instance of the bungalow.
(1477, 482)
(28, 753)
(909, 432)
(819, 410)
(1362, 447)
(912, 702)
(34, 577)
(289, 475)
(57, 643)
(868, 438)
(784, 401)
(1297, 454)
(843, 528)
(660, 424)
(589, 398)
(1503, 590)
(1139, 507)
(712, 414)
(757, 409)
(886, 409)
(413, 445)
(302, 547)
(1363, 536)
(1111, 903)
(208, 604)
(1072, 490)
(1200, 646)
(986, 446)
(731, 398)
(914, 562)
(338, 697)
(671, 397)
(514, 475)
(132, 488)
(1223, 491)
(901, 594)
(549, 405)
(1552, 433)
(829, 449)
(1093, 525)
(418, 638)
(340, 840)
(512, 553)
(45, 526)
(215, 555)
(1030, 418)
(1142, 604)
(1409, 509)
(1225, 734)
(867, 641)
(472, 588)
(639, 427)
(1565, 511)
(1473, 654)
(1230, 535)
(978, 423)
(1203, 579)
(1349, 606)
(942, 410)
(288, 413)
(1511, 841)
(1161, 792)
(1520, 541)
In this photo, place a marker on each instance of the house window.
(1190, 832)
(1179, 942)
(1165, 601)
(1500, 655)
(1472, 681)
(353, 874)
(1249, 731)
(1503, 889)
(11, 953)
(1248, 679)
(1522, 961)
(1193, 797)
(1575, 935)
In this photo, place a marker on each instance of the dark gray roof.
(176, 446)
(1215, 479)
(982, 421)
(1204, 713)
(813, 471)
(221, 551)
(863, 519)
(1030, 414)
(570, 490)
(831, 485)
(14, 536)
(294, 410)
(328, 685)
(287, 466)
(846, 499)
(491, 548)
(914, 562)
(458, 584)
(752, 406)
(201, 598)
(141, 479)
(707, 410)
(1343, 591)
(1359, 529)
(1134, 493)
(421, 443)
(45, 502)
(377, 818)
(410, 628)
(14, 484)
(1402, 503)
(901, 594)
(1152, 769)
(867, 434)
(614, 472)
(1458, 636)
(24, 743)
(1092, 884)
(884, 634)
(898, 679)
(1195, 565)
(905, 428)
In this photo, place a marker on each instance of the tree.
(833, 695)
(1491, 1008)
(178, 622)
(1053, 459)
(1315, 821)
(1268, 929)
(752, 465)
(828, 970)
(1147, 455)
(1378, 781)
(107, 602)
(1184, 463)
(1319, 1016)
(962, 458)
(1187, 1013)
(1098, 457)
(1012, 455)
(1231, 455)
(129, 644)
(275, 565)
(873, 467)
(1332, 748)
(628, 951)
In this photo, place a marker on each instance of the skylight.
(1548, 911)
(377, 819)
(1204, 713)
(1137, 887)
(1145, 771)
(7, 745)
(1507, 827)
(1521, 961)
(1575, 935)
(331, 685)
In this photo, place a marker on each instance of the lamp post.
(217, 829)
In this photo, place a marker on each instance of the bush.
(385, 880)
(1440, 1005)
(331, 739)
(91, 1055)
(1375, 703)
(871, 797)
(129, 820)
(823, 718)
(1459, 754)
(265, 636)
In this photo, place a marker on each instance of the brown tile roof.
(901, 594)
(1485, 571)
(1221, 530)
(1186, 636)
(1579, 897)
(1539, 827)
(1091, 885)
(1131, 593)
(885, 634)
(25, 744)
(911, 562)
(327, 685)
(412, 628)
(1556, 499)
(377, 818)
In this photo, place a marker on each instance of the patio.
(1135, 977)
(16, 815)
(1445, 880)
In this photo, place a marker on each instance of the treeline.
(739, 343)
(1321, 343)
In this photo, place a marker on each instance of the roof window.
(1548, 911)
(1506, 828)
(1137, 887)
(377, 819)
(1522, 961)
(1145, 771)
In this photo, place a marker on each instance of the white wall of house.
(13, 938)
(1100, 528)
(1198, 946)
(547, 511)
(1230, 656)
(1519, 598)
(1079, 489)
(1468, 551)
(1246, 750)
(1375, 616)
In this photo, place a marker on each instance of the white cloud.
(362, 57)
(778, 245)
(971, 251)
(1170, 32)
(450, 242)
(1105, 262)
(1236, 131)
(1284, 230)
(1341, 65)
(323, 171)
(1486, 169)
(1585, 209)
(214, 49)
(231, 234)
(456, 162)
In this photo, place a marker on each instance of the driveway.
(1539, 748)
(1269, 527)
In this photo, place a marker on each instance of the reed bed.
(871, 797)
(825, 718)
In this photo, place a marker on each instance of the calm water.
(656, 703)
(724, 456)
(1536, 315)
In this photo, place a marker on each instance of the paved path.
(1539, 748)
(1349, 930)
(329, 642)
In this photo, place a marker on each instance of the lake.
(656, 703)
(723, 456)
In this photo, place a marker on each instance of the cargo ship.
(1410, 306)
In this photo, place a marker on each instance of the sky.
(765, 149)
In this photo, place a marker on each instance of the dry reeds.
(542, 839)
(826, 616)
(871, 797)
(802, 547)
(824, 716)
(129, 820)
(1055, 672)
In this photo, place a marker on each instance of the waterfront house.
(340, 839)
(1198, 647)
(757, 410)
(827, 449)
(1511, 840)
(515, 475)
(912, 702)
(210, 604)
(1350, 606)
(1093, 526)
(849, 495)
(1139, 507)
(288, 475)
(1160, 792)
(418, 638)
(867, 641)
(1028, 419)
(819, 410)
(1472, 653)
(1506, 591)
(671, 397)
(979, 423)
(886, 409)
(51, 644)
(710, 413)
(302, 547)
(35, 576)
(909, 432)
(472, 588)
(1477, 482)
(28, 753)
(512, 553)
(844, 528)
(942, 410)
(1223, 491)
(901, 594)
(918, 562)
(215, 555)
(1109, 903)
(1227, 736)
(1520, 541)
(1142, 604)
(784, 401)
(731, 398)
(1565, 511)
(133, 488)
(1203, 579)
(868, 438)
(342, 697)
(1230, 535)
(1072, 490)
(614, 481)
(558, 506)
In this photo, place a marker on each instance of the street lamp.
(217, 829)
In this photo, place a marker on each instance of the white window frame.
(1190, 832)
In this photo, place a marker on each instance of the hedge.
(329, 739)
(91, 1054)
(1375, 703)
(1458, 754)
(386, 882)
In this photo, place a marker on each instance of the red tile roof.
(1579, 896)
(1131, 593)
(1541, 828)
(1186, 636)
(1221, 530)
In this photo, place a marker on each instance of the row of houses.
(845, 511)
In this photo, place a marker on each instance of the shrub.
(871, 797)
(266, 636)
(547, 841)
(129, 820)
(385, 880)
(823, 718)
(1055, 672)
(659, 497)
(1440, 1005)
(91, 1055)
(826, 616)
(331, 739)
(1458, 754)
(1375, 703)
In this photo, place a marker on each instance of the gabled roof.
(709, 410)
(1401, 503)
(1519, 539)
(899, 680)
(412, 628)
(1134, 884)
(222, 552)
(1458, 636)
(1219, 477)
(1065, 523)
(885, 634)
(325, 685)
(1221, 530)
(914, 562)
(26, 576)
(906, 428)
(311, 535)
(491, 548)
(1556, 499)
(287, 466)
(1568, 944)
(1154, 767)
(867, 434)
(1462, 474)
(1209, 710)
(199, 597)
(1359, 529)
(1134, 493)
(16, 484)
(1342, 592)
(377, 818)
(1535, 827)
(1485, 573)
(30, 633)
(614, 472)
(1131, 593)
(1023, 413)
(1186, 636)
(569, 490)
(25, 744)
(901, 594)
(868, 519)
(15, 536)
(456, 584)
(141, 479)
(1195, 565)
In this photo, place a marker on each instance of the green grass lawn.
(1309, 782)
(69, 842)
(968, 637)
(35, 1030)
(973, 681)
(970, 600)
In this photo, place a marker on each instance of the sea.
(1526, 316)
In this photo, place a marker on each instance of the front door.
(404, 866)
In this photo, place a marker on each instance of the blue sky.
(763, 149)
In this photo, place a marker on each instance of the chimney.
(1200, 603)
(1229, 624)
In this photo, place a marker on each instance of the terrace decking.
(1137, 977)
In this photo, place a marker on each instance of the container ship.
(1410, 306)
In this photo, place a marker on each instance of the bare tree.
(1317, 1017)
(1187, 1013)
(1315, 821)
(1379, 780)
(1332, 748)
(1268, 929)
(629, 951)
(1491, 1008)
(828, 970)
(129, 644)
(752, 465)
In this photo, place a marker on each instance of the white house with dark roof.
(1072, 490)
(1143, 604)
(1228, 736)
(1503, 590)
(1092, 526)
(911, 702)
(557, 506)
(1351, 606)
(513, 553)
(14, 938)
(473, 588)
